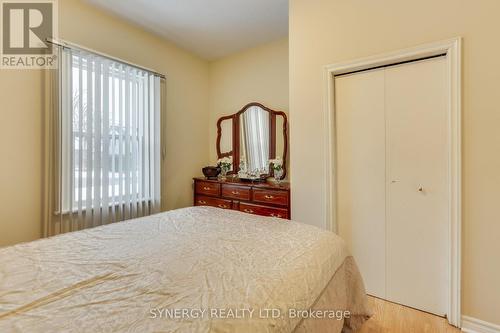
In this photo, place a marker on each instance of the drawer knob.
(206, 188)
(269, 196)
(235, 192)
(222, 206)
(248, 211)
(276, 215)
(202, 202)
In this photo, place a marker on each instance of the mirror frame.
(235, 152)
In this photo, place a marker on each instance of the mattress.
(197, 269)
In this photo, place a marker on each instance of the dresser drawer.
(271, 197)
(263, 210)
(207, 188)
(235, 192)
(213, 202)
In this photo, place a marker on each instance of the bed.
(197, 269)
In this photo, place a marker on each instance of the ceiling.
(209, 28)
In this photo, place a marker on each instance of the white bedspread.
(124, 276)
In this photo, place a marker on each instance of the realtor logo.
(26, 27)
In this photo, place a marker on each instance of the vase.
(223, 173)
(278, 174)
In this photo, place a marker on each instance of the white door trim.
(452, 49)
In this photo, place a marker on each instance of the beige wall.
(259, 74)
(328, 31)
(21, 130)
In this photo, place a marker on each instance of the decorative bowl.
(250, 178)
(211, 172)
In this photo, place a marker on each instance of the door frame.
(452, 49)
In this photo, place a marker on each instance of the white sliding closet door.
(361, 172)
(392, 179)
(417, 198)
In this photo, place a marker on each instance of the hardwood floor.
(394, 318)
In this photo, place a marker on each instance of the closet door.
(360, 176)
(417, 198)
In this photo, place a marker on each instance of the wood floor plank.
(394, 318)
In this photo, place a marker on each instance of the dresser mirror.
(225, 139)
(253, 136)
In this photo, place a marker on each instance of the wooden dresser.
(254, 198)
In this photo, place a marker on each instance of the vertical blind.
(107, 141)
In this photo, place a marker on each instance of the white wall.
(328, 31)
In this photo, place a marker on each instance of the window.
(110, 138)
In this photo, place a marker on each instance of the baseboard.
(473, 325)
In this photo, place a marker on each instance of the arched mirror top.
(253, 136)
